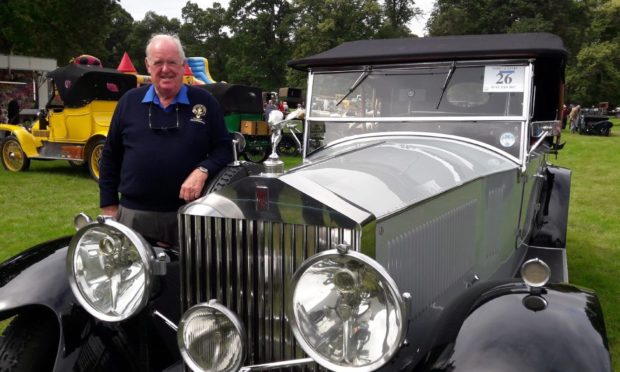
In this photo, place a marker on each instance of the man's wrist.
(203, 170)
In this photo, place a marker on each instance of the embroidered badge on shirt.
(199, 111)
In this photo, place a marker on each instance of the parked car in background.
(75, 122)
(243, 112)
(424, 231)
(591, 121)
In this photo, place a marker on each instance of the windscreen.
(484, 101)
(429, 90)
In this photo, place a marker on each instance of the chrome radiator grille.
(247, 265)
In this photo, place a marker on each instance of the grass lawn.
(593, 243)
(40, 204)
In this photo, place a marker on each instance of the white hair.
(160, 37)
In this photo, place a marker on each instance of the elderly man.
(165, 140)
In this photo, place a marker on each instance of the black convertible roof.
(389, 51)
(236, 98)
(79, 84)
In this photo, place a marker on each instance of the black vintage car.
(591, 121)
(424, 231)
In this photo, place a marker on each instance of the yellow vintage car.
(75, 122)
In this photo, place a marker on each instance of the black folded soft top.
(393, 51)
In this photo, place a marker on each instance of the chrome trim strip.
(167, 321)
(415, 134)
(276, 365)
(262, 298)
(366, 119)
(308, 103)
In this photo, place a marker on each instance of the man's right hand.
(110, 210)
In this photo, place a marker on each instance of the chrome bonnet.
(389, 174)
(242, 244)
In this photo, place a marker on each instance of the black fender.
(554, 206)
(36, 277)
(510, 328)
(37, 280)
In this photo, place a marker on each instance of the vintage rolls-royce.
(425, 230)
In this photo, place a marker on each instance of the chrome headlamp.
(110, 270)
(211, 338)
(346, 312)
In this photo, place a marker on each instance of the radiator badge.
(262, 198)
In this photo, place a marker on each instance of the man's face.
(166, 68)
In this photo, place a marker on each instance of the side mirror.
(540, 130)
(545, 128)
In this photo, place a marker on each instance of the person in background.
(565, 112)
(13, 111)
(573, 116)
(270, 107)
(165, 141)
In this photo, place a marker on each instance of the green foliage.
(142, 32)
(59, 29)
(203, 35)
(261, 42)
(397, 14)
(322, 25)
(568, 19)
(596, 75)
(117, 41)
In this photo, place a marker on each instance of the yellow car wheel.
(94, 156)
(13, 157)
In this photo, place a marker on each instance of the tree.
(50, 28)
(324, 24)
(261, 41)
(203, 35)
(142, 32)
(596, 75)
(117, 42)
(396, 15)
(568, 19)
(604, 26)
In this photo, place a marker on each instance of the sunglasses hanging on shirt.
(160, 126)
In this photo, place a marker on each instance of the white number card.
(504, 78)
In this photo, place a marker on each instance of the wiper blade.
(359, 80)
(445, 84)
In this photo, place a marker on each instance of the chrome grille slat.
(240, 308)
(268, 290)
(247, 266)
(198, 236)
(249, 285)
(219, 250)
(228, 283)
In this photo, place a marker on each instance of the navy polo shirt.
(146, 164)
